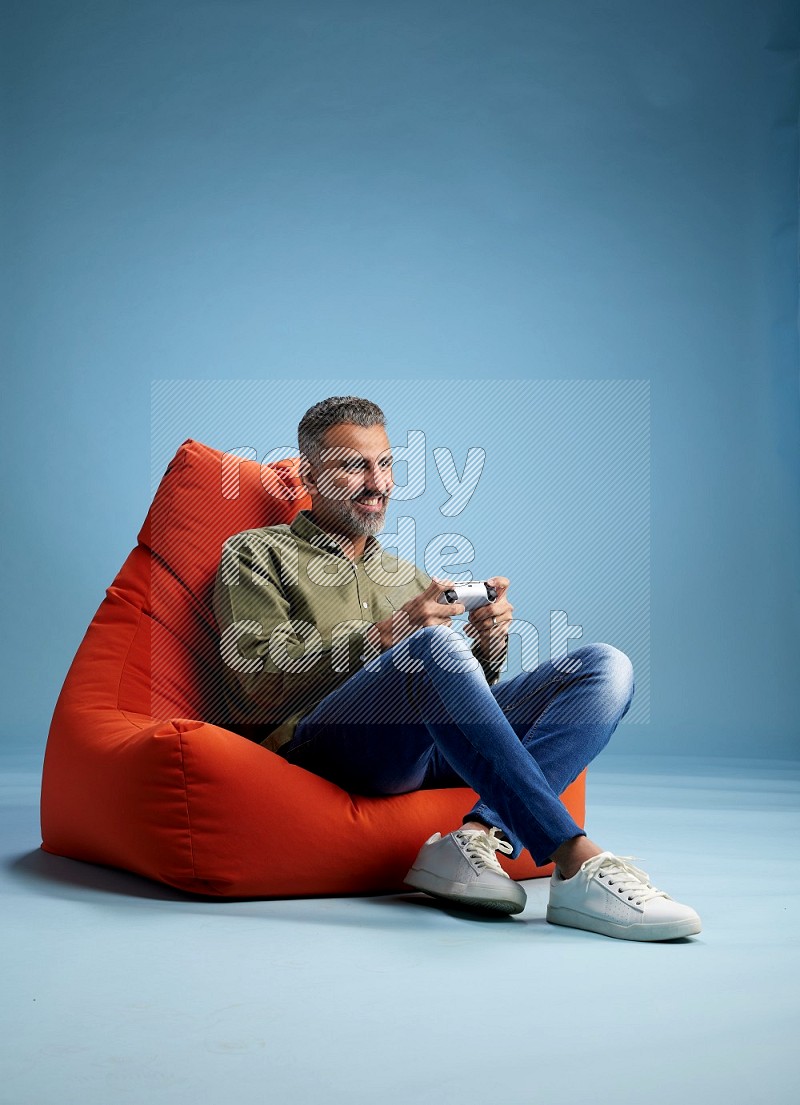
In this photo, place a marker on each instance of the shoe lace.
(628, 881)
(481, 847)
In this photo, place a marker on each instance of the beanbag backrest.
(204, 497)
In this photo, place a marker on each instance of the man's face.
(351, 484)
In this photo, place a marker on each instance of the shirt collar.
(303, 526)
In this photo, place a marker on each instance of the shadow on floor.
(57, 872)
(75, 880)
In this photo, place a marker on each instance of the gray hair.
(331, 412)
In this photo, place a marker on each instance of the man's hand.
(424, 609)
(489, 624)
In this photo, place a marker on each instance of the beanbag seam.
(124, 666)
(186, 799)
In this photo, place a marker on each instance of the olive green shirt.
(292, 610)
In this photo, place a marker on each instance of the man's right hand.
(424, 609)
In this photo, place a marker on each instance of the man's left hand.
(489, 624)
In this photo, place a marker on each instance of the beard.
(345, 517)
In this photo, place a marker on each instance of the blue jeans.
(422, 715)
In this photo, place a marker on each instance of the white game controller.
(471, 595)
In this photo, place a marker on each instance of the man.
(340, 658)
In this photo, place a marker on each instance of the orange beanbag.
(137, 775)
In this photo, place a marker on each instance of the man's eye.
(387, 463)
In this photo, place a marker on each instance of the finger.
(439, 586)
(493, 609)
(490, 622)
(442, 610)
(485, 613)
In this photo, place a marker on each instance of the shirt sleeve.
(273, 666)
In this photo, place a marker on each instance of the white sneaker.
(610, 896)
(463, 868)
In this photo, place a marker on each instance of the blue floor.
(115, 989)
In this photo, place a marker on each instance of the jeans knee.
(444, 646)
(435, 632)
(614, 665)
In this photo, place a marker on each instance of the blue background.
(425, 192)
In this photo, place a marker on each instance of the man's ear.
(306, 473)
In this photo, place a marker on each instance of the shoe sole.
(469, 896)
(666, 930)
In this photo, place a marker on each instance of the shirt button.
(365, 605)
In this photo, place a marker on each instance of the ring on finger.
(494, 621)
